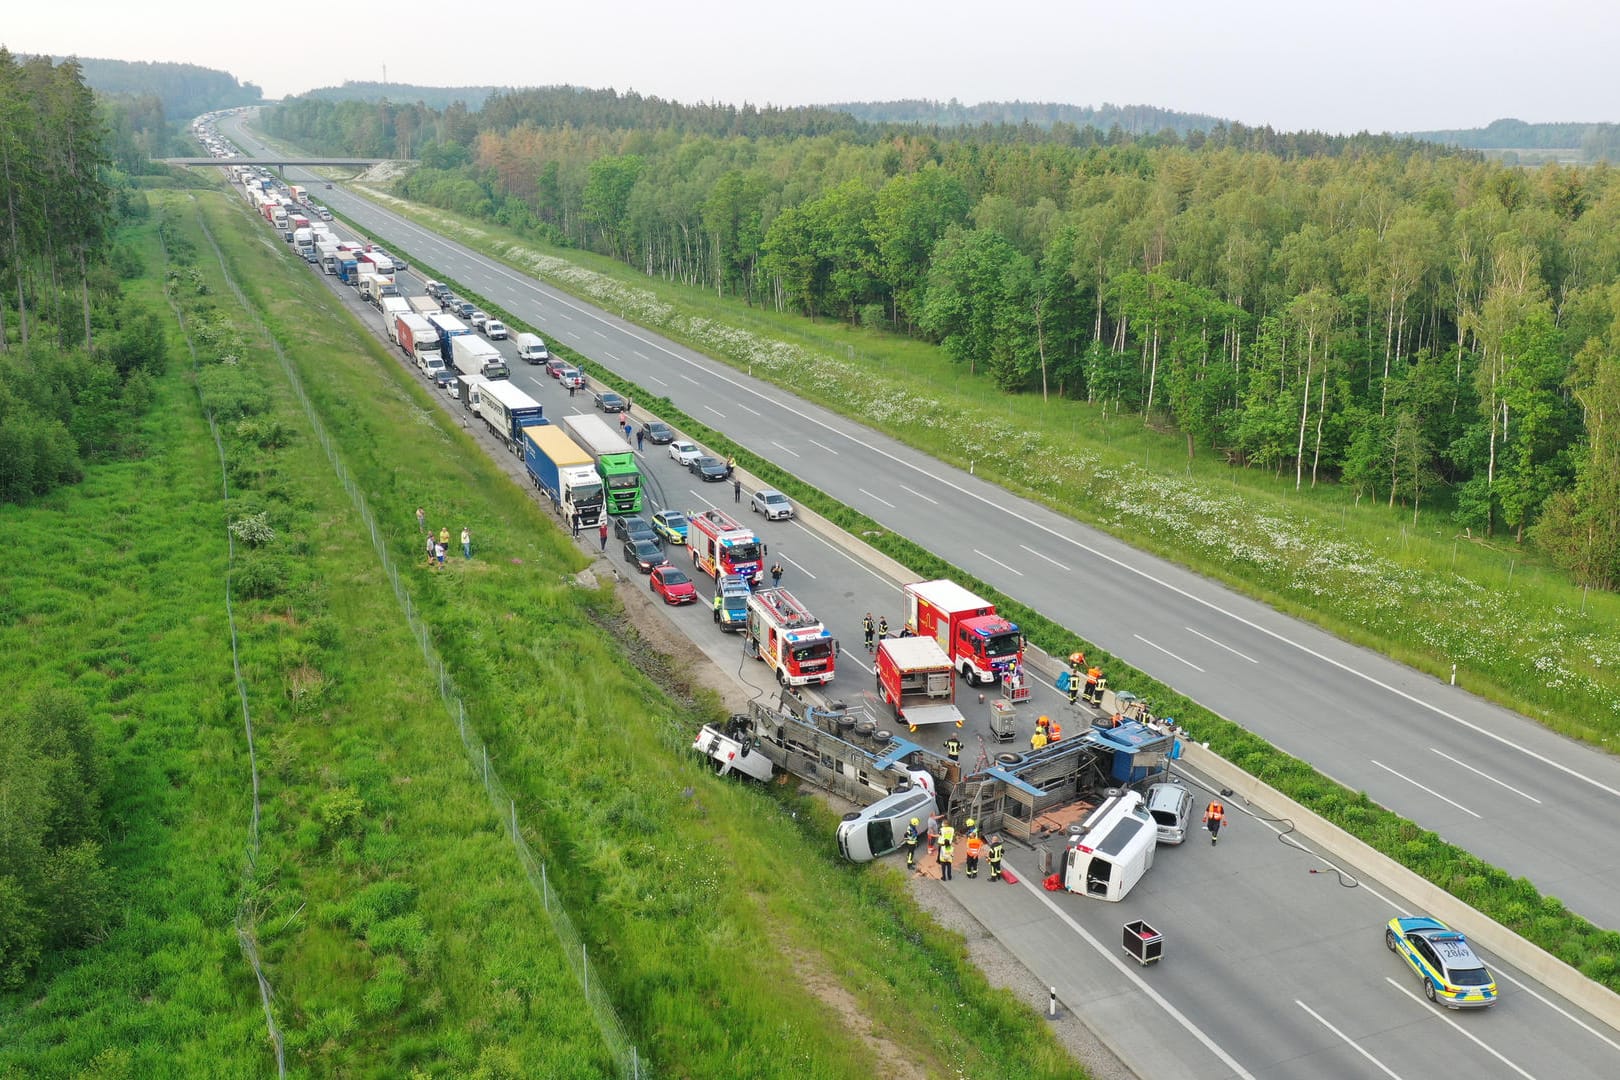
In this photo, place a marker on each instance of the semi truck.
(507, 411)
(328, 253)
(789, 639)
(720, 545)
(347, 267)
(392, 307)
(915, 679)
(447, 326)
(981, 644)
(615, 460)
(564, 472)
(373, 287)
(416, 337)
(472, 355)
(424, 305)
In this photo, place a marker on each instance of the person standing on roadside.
(602, 532)
(576, 524)
(866, 630)
(995, 857)
(444, 535)
(883, 626)
(421, 520)
(466, 543)
(974, 847)
(776, 574)
(913, 834)
(736, 490)
(947, 854)
(439, 551)
(1214, 818)
(641, 438)
(430, 547)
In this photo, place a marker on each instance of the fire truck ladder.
(792, 614)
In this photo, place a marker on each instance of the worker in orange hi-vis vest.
(1214, 818)
(974, 847)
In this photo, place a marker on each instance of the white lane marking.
(824, 446)
(779, 446)
(565, 301)
(1048, 558)
(744, 408)
(919, 495)
(1166, 652)
(641, 354)
(656, 379)
(571, 332)
(1420, 787)
(849, 658)
(689, 379)
(998, 562)
(716, 411)
(1141, 984)
(1348, 1041)
(1222, 645)
(1555, 1007)
(879, 498)
(1438, 1013)
(597, 330)
(852, 559)
(1486, 775)
(801, 569)
(611, 357)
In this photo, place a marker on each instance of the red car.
(672, 584)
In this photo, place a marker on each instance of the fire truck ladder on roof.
(790, 613)
(721, 520)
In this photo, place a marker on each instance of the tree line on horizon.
(1420, 324)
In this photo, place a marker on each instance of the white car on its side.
(684, 452)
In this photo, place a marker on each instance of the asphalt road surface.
(1269, 971)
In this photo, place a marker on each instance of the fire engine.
(981, 644)
(721, 546)
(790, 639)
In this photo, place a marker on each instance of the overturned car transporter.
(848, 753)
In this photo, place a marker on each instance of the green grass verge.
(713, 910)
(1514, 902)
(389, 910)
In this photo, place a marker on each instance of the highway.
(1270, 971)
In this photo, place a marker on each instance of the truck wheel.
(1009, 759)
(781, 676)
(967, 675)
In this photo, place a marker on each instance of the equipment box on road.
(1144, 943)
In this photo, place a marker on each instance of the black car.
(634, 528)
(709, 468)
(644, 555)
(656, 431)
(609, 402)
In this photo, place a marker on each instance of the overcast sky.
(1375, 64)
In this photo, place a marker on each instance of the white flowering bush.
(254, 530)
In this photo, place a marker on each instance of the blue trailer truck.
(564, 472)
(508, 410)
(447, 327)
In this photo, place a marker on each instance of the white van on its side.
(1114, 848)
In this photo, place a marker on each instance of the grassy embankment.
(719, 914)
(387, 907)
(1514, 902)
(1417, 591)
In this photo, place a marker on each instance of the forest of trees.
(74, 353)
(185, 90)
(1131, 119)
(1418, 323)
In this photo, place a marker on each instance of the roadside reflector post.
(1051, 1004)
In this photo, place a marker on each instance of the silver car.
(773, 504)
(1171, 808)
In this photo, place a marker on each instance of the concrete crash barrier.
(1551, 972)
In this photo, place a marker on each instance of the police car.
(1452, 974)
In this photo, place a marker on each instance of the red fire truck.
(915, 678)
(789, 639)
(981, 644)
(721, 546)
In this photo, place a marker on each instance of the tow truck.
(981, 644)
(789, 639)
(721, 546)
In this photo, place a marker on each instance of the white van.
(1113, 850)
(881, 827)
(532, 349)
